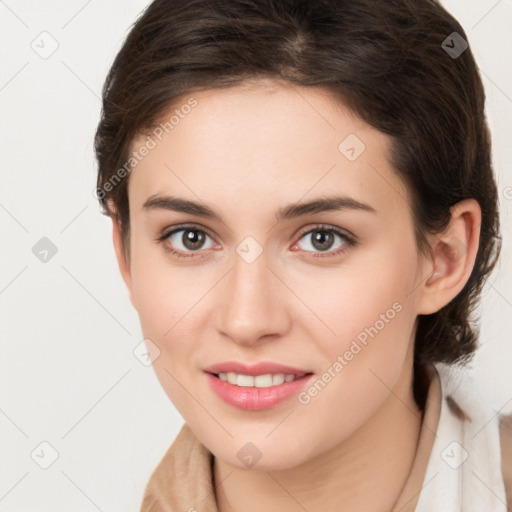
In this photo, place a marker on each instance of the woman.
(304, 213)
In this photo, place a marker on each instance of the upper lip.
(261, 368)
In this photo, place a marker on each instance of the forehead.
(264, 143)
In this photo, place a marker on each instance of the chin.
(271, 462)
(258, 452)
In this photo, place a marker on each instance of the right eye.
(184, 241)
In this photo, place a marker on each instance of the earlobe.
(122, 260)
(453, 257)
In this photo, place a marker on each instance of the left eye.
(323, 240)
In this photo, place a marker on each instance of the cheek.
(373, 292)
(168, 305)
(163, 292)
(371, 313)
(170, 302)
(373, 325)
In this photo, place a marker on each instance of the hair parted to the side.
(383, 59)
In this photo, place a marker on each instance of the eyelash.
(349, 241)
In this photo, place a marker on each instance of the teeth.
(278, 378)
(258, 381)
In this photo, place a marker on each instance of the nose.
(253, 306)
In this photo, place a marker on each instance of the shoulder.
(506, 455)
(466, 401)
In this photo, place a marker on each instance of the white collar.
(464, 467)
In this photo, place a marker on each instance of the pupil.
(320, 238)
(193, 239)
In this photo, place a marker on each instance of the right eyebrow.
(178, 204)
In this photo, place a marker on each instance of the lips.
(256, 387)
(255, 369)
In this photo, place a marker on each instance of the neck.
(365, 472)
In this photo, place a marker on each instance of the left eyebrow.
(322, 204)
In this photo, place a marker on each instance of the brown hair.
(387, 60)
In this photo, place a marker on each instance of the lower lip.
(256, 399)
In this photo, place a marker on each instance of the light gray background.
(68, 375)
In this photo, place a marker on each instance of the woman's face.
(265, 280)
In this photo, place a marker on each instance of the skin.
(246, 152)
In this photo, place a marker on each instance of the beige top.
(183, 480)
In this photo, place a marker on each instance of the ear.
(453, 257)
(122, 260)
